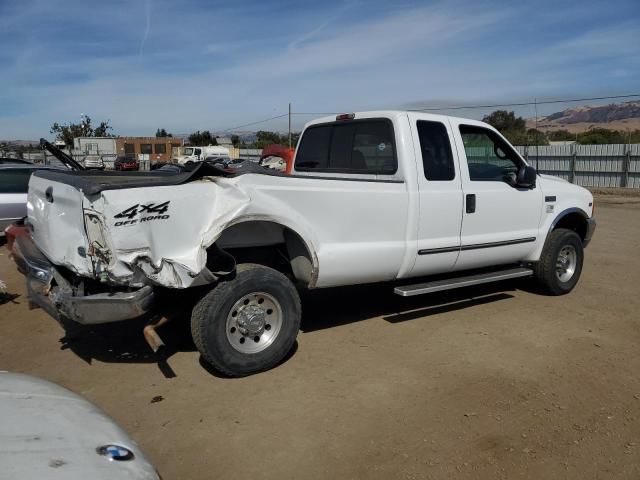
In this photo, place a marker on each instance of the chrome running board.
(459, 282)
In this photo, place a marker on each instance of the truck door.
(198, 154)
(439, 196)
(500, 221)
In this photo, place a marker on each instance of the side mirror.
(526, 177)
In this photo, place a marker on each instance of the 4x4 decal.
(155, 212)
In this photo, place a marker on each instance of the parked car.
(93, 162)
(224, 162)
(385, 196)
(221, 160)
(14, 184)
(47, 431)
(168, 167)
(124, 163)
(277, 157)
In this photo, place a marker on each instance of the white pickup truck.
(382, 196)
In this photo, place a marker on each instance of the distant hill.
(616, 116)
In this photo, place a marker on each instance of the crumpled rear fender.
(160, 235)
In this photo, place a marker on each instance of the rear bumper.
(49, 289)
(591, 228)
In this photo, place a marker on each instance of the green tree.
(595, 136)
(161, 132)
(67, 132)
(535, 137)
(200, 139)
(235, 140)
(513, 128)
(561, 135)
(505, 121)
(265, 138)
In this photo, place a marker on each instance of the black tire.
(546, 268)
(211, 313)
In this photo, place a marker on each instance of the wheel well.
(270, 244)
(573, 221)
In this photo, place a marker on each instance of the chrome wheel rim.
(254, 322)
(566, 263)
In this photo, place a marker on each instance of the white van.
(198, 154)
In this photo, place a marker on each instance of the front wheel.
(560, 264)
(249, 323)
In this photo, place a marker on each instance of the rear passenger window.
(437, 159)
(14, 181)
(313, 153)
(358, 146)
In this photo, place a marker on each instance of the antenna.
(289, 124)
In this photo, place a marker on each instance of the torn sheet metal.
(161, 233)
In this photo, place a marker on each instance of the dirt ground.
(491, 382)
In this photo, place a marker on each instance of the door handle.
(470, 203)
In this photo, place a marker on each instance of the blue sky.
(196, 64)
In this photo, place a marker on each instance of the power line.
(569, 100)
(454, 107)
(314, 113)
(256, 122)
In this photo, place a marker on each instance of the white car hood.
(48, 432)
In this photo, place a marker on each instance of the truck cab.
(452, 193)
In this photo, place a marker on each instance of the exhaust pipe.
(152, 337)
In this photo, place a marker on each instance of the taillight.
(346, 116)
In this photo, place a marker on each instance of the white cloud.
(410, 32)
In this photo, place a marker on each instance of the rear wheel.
(560, 265)
(249, 323)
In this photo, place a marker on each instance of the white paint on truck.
(359, 225)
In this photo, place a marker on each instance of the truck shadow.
(123, 342)
(322, 309)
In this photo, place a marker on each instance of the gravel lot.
(491, 382)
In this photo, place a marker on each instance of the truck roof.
(394, 114)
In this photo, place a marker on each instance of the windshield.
(188, 151)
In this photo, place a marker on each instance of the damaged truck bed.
(137, 229)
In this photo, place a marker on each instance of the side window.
(373, 148)
(197, 152)
(437, 158)
(15, 181)
(364, 146)
(489, 158)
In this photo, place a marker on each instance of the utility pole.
(535, 102)
(289, 124)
